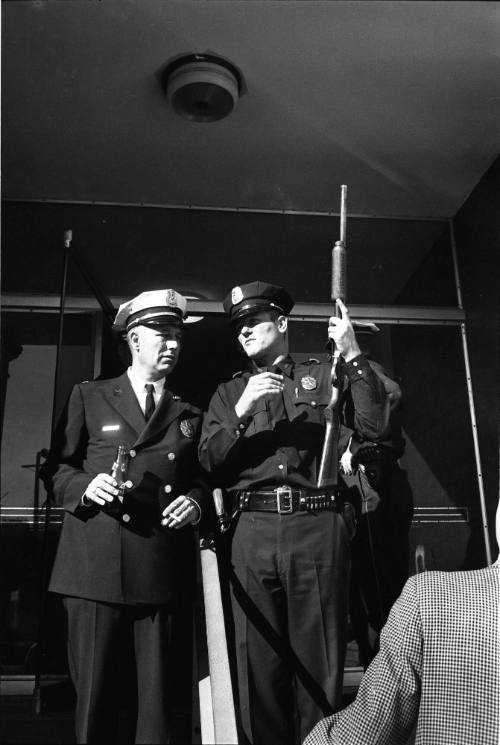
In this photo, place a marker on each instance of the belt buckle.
(284, 497)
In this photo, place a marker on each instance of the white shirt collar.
(138, 385)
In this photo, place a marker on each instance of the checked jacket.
(437, 669)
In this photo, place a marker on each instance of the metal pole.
(394, 314)
(470, 394)
(68, 236)
(249, 210)
(37, 693)
(101, 297)
(36, 487)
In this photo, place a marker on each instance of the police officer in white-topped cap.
(119, 563)
(262, 441)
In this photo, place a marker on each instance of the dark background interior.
(393, 99)
(427, 360)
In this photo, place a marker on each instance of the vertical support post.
(68, 235)
(470, 394)
(97, 337)
(37, 691)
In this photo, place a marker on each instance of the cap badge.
(171, 299)
(308, 383)
(236, 295)
(186, 428)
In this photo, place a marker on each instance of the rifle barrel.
(343, 212)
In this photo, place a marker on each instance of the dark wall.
(477, 234)
(206, 252)
(390, 262)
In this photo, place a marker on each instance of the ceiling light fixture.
(202, 87)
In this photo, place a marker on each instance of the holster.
(376, 460)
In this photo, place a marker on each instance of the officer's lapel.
(124, 400)
(168, 409)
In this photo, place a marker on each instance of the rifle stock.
(329, 456)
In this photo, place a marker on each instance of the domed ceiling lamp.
(202, 87)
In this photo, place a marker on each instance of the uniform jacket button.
(171, 456)
(126, 517)
(168, 488)
(132, 453)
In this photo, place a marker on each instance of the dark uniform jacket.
(124, 555)
(281, 443)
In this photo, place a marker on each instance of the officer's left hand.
(340, 330)
(182, 511)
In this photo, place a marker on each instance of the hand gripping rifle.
(328, 469)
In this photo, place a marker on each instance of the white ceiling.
(399, 100)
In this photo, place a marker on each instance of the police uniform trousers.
(99, 634)
(289, 585)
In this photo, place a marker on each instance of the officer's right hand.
(258, 387)
(370, 499)
(101, 489)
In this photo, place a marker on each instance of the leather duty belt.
(284, 500)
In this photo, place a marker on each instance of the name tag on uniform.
(111, 428)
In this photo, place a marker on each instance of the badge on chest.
(186, 428)
(308, 383)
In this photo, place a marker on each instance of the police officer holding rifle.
(262, 440)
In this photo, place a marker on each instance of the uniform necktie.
(150, 401)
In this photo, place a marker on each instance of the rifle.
(328, 469)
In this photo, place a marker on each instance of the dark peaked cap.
(256, 296)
